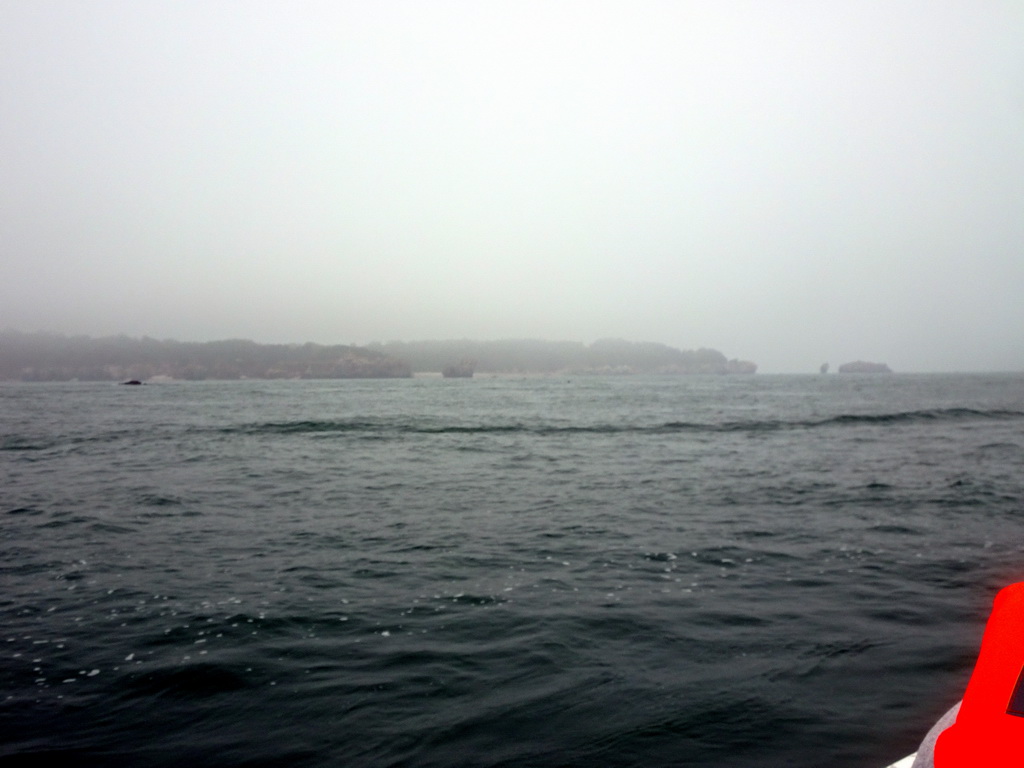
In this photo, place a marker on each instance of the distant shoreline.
(48, 357)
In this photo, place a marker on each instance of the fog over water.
(788, 182)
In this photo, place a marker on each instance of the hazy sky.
(788, 181)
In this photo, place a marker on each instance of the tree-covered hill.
(606, 356)
(47, 357)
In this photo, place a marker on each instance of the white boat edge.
(906, 762)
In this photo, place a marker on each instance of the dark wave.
(938, 414)
(25, 444)
(204, 679)
(856, 419)
(52, 441)
(385, 426)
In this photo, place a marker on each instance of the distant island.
(51, 357)
(860, 366)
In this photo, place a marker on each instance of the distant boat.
(132, 382)
(860, 366)
(824, 368)
(460, 370)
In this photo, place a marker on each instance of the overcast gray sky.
(788, 181)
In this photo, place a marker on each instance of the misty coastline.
(51, 357)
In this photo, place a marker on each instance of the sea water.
(619, 571)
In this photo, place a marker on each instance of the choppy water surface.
(750, 571)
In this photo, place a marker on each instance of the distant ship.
(824, 368)
(460, 370)
(860, 366)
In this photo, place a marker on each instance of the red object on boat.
(989, 728)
